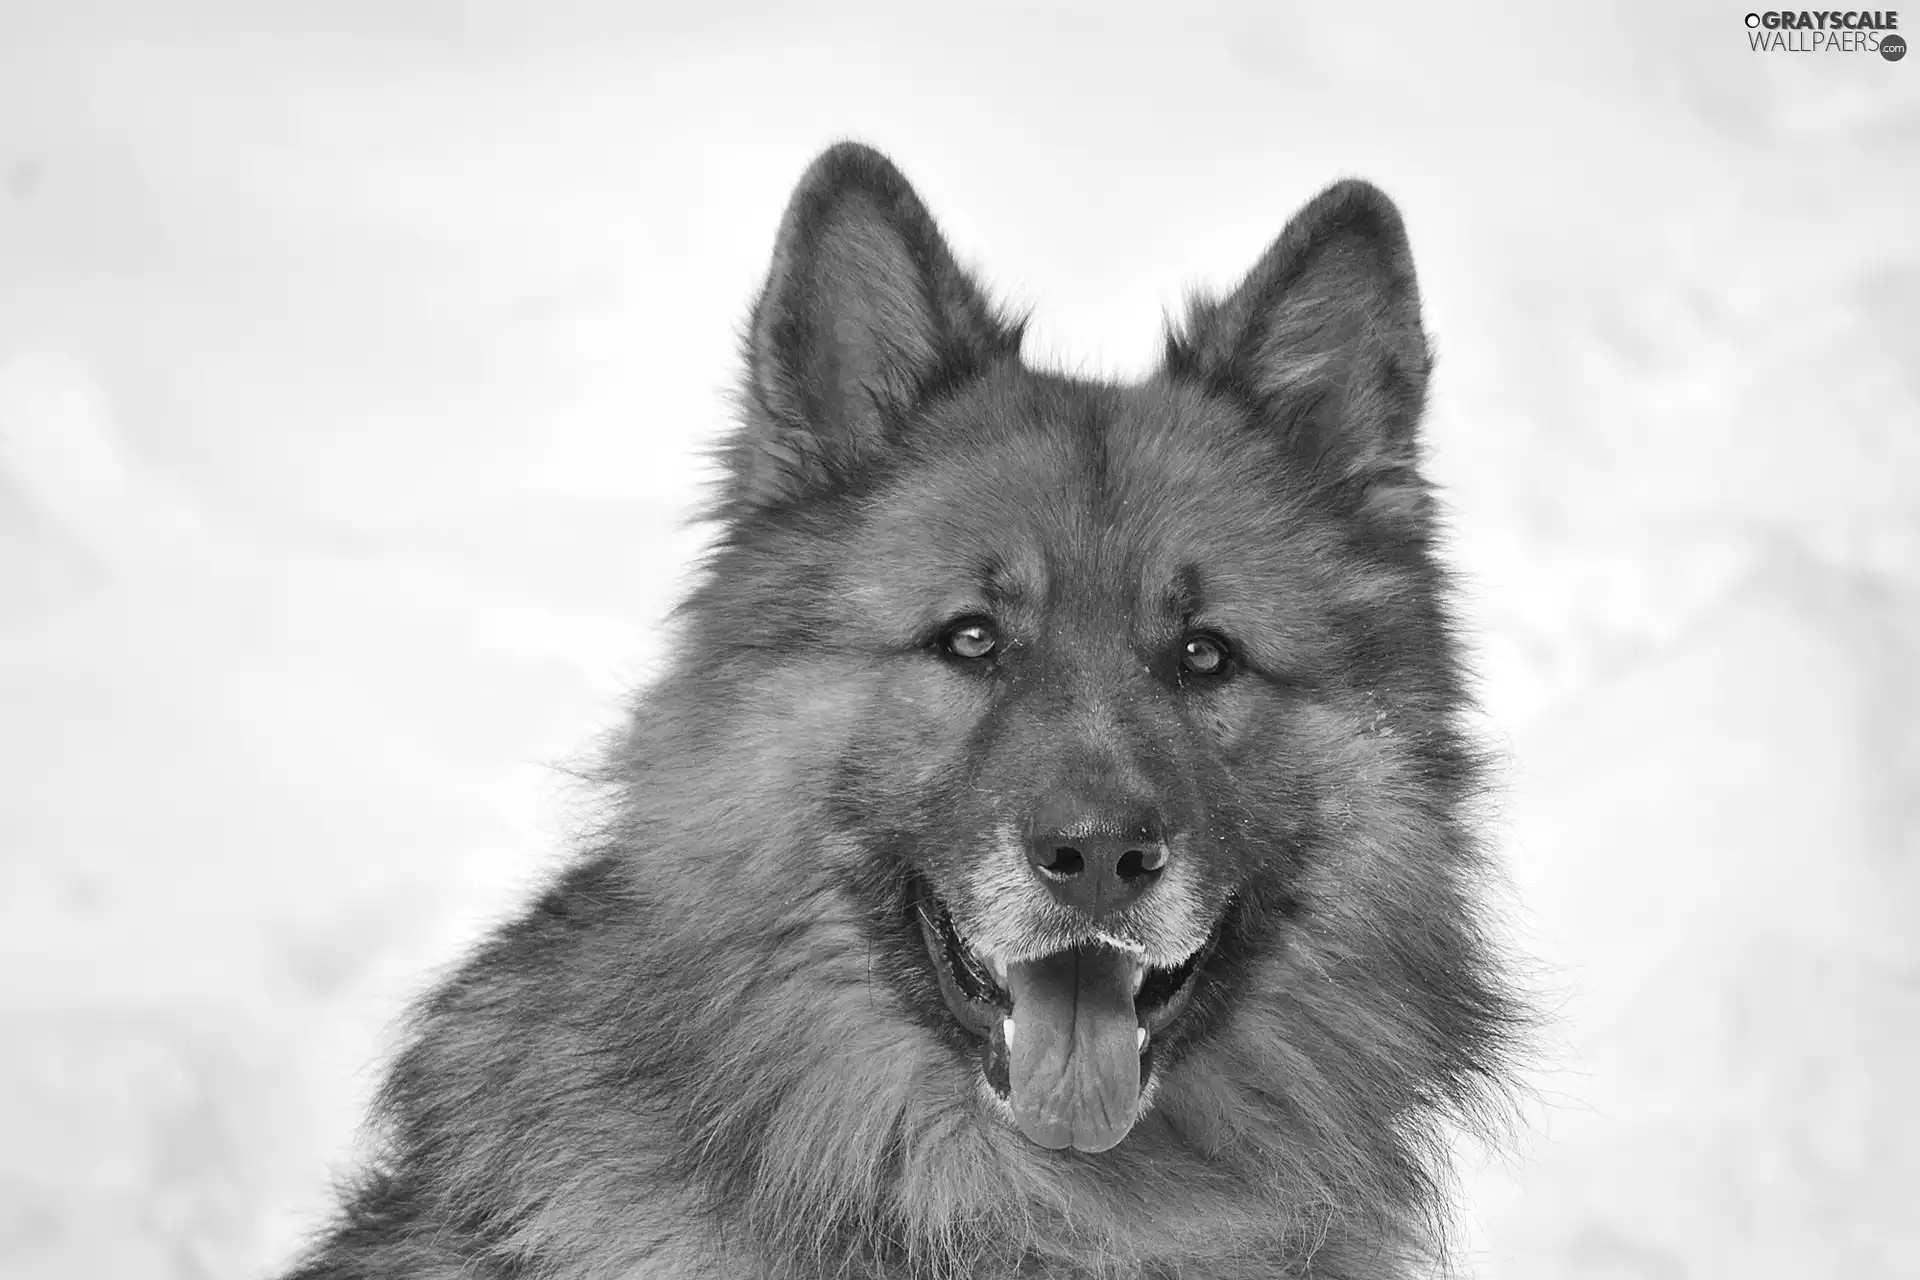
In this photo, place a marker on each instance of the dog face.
(1113, 660)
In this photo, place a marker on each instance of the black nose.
(1096, 863)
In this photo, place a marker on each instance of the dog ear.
(1323, 342)
(865, 313)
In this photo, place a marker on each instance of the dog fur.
(718, 1046)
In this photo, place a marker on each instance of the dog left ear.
(864, 314)
(1323, 341)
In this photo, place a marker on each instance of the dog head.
(1112, 728)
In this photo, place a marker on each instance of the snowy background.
(354, 361)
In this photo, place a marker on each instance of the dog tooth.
(1140, 1039)
(1006, 1029)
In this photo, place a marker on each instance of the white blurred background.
(354, 363)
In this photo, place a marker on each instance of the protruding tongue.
(1074, 1060)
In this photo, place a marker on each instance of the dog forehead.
(1084, 478)
(1116, 508)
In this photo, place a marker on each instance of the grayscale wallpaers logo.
(1828, 31)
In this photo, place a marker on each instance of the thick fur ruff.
(718, 1047)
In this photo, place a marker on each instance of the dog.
(1049, 851)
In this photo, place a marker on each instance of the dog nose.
(1098, 865)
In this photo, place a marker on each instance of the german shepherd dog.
(1049, 850)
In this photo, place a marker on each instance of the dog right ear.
(865, 313)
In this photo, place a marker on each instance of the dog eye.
(972, 639)
(1203, 654)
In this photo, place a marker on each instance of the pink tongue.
(1075, 1057)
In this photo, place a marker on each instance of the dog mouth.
(1068, 1038)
